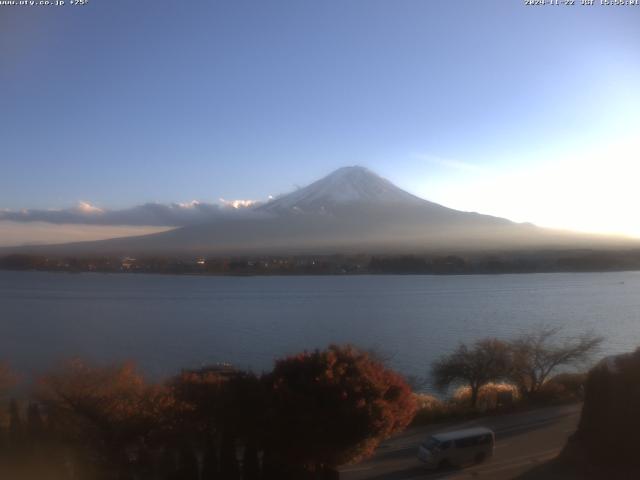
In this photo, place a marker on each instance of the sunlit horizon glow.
(41, 233)
(591, 191)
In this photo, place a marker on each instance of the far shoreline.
(459, 263)
(316, 275)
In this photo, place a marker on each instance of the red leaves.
(110, 409)
(334, 406)
(324, 407)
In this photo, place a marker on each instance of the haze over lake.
(165, 323)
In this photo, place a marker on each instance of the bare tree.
(535, 356)
(485, 361)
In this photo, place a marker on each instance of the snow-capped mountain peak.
(347, 185)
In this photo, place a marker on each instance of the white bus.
(458, 448)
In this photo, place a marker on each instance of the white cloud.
(153, 214)
(191, 204)
(86, 207)
(237, 204)
(148, 214)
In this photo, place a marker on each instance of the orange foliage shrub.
(334, 406)
(109, 412)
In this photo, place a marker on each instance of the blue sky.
(118, 102)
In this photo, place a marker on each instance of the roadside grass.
(497, 398)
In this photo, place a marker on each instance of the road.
(523, 441)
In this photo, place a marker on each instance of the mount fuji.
(347, 185)
(352, 210)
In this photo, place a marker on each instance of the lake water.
(169, 322)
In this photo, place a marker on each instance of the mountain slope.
(350, 210)
(347, 185)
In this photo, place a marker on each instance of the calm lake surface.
(169, 322)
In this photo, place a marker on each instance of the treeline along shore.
(353, 264)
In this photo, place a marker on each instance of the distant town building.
(128, 263)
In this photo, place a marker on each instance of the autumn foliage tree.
(109, 413)
(7, 380)
(334, 406)
(315, 411)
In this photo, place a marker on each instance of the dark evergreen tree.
(16, 428)
(210, 462)
(250, 462)
(167, 465)
(35, 426)
(272, 467)
(228, 461)
(187, 463)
